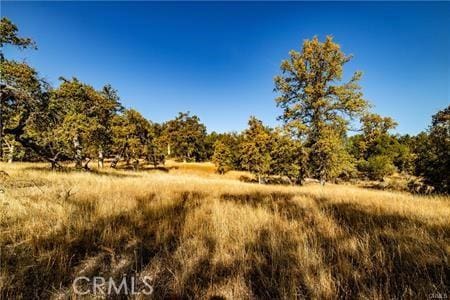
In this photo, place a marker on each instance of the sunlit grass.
(202, 235)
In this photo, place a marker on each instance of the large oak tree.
(317, 105)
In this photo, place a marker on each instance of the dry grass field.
(200, 235)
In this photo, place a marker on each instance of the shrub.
(377, 167)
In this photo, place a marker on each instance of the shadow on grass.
(274, 266)
(370, 254)
(400, 256)
(258, 198)
(125, 243)
(101, 172)
(277, 202)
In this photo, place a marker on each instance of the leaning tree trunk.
(42, 152)
(119, 156)
(18, 131)
(54, 162)
(115, 161)
(86, 164)
(54, 165)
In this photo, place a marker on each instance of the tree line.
(76, 122)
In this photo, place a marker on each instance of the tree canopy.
(76, 122)
(317, 105)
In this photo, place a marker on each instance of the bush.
(377, 167)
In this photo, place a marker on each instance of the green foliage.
(77, 122)
(433, 152)
(374, 126)
(8, 36)
(316, 105)
(288, 157)
(403, 158)
(310, 94)
(232, 141)
(133, 137)
(185, 136)
(328, 158)
(379, 153)
(26, 92)
(85, 117)
(210, 141)
(24, 107)
(377, 167)
(255, 148)
(223, 157)
(375, 137)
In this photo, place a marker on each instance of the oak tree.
(433, 157)
(185, 137)
(316, 103)
(222, 157)
(255, 148)
(288, 157)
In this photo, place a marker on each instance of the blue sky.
(218, 60)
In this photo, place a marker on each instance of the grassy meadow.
(202, 235)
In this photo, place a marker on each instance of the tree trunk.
(322, 176)
(127, 159)
(11, 149)
(86, 164)
(27, 142)
(155, 161)
(115, 161)
(78, 153)
(259, 178)
(136, 164)
(100, 159)
(118, 157)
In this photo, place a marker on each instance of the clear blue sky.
(218, 60)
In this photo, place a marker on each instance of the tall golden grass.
(205, 236)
